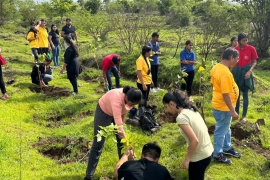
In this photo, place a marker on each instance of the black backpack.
(147, 119)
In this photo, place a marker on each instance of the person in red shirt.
(109, 64)
(242, 72)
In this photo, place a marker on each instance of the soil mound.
(166, 118)
(51, 91)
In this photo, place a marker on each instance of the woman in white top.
(194, 130)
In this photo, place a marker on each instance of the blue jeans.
(222, 134)
(245, 103)
(116, 75)
(55, 57)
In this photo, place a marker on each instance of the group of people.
(228, 78)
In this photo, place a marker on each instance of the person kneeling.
(42, 73)
(144, 169)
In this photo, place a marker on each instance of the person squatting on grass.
(111, 108)
(155, 60)
(194, 130)
(147, 168)
(242, 72)
(108, 65)
(33, 40)
(43, 41)
(187, 61)
(71, 63)
(42, 74)
(2, 84)
(225, 94)
(55, 44)
(144, 73)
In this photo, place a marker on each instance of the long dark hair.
(57, 32)
(180, 98)
(72, 45)
(134, 95)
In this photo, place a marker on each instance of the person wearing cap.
(153, 43)
(108, 65)
(242, 72)
(43, 40)
(147, 168)
(112, 107)
(69, 30)
(42, 73)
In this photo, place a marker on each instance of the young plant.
(178, 83)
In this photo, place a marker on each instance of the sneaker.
(233, 153)
(158, 89)
(153, 90)
(74, 93)
(5, 96)
(221, 158)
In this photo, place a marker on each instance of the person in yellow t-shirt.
(225, 94)
(43, 40)
(32, 37)
(143, 68)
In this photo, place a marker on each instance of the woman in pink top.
(111, 108)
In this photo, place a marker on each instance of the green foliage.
(164, 6)
(62, 7)
(179, 16)
(92, 6)
(7, 11)
(29, 11)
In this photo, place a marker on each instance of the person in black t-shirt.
(147, 168)
(69, 30)
(55, 44)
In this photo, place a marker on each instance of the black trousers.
(144, 93)
(2, 84)
(74, 84)
(43, 50)
(154, 72)
(189, 81)
(196, 170)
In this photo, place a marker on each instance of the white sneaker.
(158, 89)
(153, 90)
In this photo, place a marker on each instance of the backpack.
(147, 119)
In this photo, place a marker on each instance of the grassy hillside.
(45, 137)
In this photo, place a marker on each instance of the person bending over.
(147, 168)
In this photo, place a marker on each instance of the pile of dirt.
(51, 91)
(166, 118)
(55, 119)
(64, 150)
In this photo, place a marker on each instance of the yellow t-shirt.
(142, 66)
(223, 82)
(43, 40)
(33, 43)
(196, 122)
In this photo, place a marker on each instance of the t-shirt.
(223, 82)
(196, 122)
(73, 65)
(55, 38)
(155, 47)
(142, 66)
(190, 56)
(246, 55)
(33, 43)
(113, 104)
(143, 169)
(107, 62)
(43, 40)
(69, 30)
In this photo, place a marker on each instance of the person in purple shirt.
(187, 61)
(155, 60)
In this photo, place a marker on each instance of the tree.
(164, 5)
(29, 11)
(92, 6)
(7, 11)
(259, 15)
(61, 7)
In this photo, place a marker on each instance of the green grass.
(19, 130)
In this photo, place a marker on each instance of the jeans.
(114, 70)
(245, 103)
(2, 84)
(55, 55)
(196, 170)
(154, 72)
(189, 81)
(74, 84)
(35, 53)
(47, 76)
(144, 93)
(222, 134)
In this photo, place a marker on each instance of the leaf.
(99, 138)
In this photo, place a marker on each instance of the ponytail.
(72, 45)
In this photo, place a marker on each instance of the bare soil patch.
(166, 118)
(64, 150)
(55, 118)
(51, 91)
